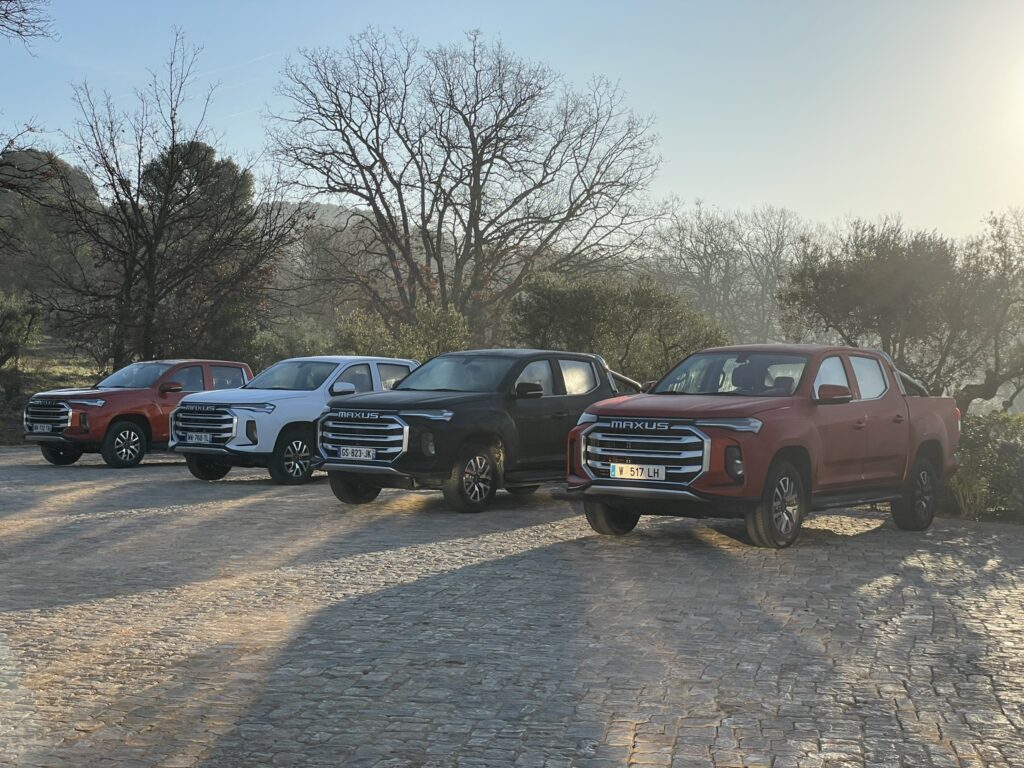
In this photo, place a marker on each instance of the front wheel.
(62, 456)
(608, 520)
(350, 490)
(916, 510)
(775, 521)
(124, 446)
(474, 480)
(203, 468)
(292, 460)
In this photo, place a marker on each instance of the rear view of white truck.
(270, 422)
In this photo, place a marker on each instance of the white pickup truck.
(271, 421)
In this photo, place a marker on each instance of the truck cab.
(270, 421)
(466, 423)
(767, 433)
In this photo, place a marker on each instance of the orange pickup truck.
(767, 433)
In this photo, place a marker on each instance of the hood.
(404, 399)
(242, 396)
(81, 394)
(688, 406)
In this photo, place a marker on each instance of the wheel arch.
(799, 457)
(932, 451)
(135, 418)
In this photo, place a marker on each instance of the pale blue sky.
(831, 109)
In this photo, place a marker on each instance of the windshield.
(135, 376)
(297, 375)
(459, 373)
(750, 374)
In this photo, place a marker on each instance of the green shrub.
(990, 482)
(434, 330)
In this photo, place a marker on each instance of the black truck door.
(540, 421)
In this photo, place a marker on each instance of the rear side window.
(191, 378)
(539, 372)
(870, 377)
(227, 376)
(359, 377)
(391, 374)
(579, 377)
(831, 372)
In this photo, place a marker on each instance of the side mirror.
(831, 394)
(171, 386)
(647, 386)
(343, 388)
(529, 390)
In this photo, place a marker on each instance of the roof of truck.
(520, 352)
(346, 358)
(804, 349)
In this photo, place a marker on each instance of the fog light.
(83, 421)
(427, 444)
(250, 431)
(734, 462)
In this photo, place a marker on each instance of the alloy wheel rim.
(923, 492)
(785, 505)
(127, 445)
(296, 458)
(476, 478)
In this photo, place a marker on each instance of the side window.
(831, 372)
(191, 378)
(359, 375)
(227, 376)
(391, 374)
(539, 372)
(579, 377)
(870, 377)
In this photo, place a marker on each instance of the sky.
(862, 108)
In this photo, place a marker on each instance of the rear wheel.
(608, 520)
(916, 510)
(474, 480)
(203, 468)
(125, 445)
(523, 490)
(350, 490)
(775, 521)
(292, 460)
(61, 455)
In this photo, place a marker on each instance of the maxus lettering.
(638, 424)
(355, 414)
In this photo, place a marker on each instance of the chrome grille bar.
(385, 434)
(218, 422)
(47, 417)
(683, 450)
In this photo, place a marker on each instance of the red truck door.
(841, 430)
(888, 426)
(192, 379)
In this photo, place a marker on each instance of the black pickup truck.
(465, 423)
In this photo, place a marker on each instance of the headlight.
(586, 418)
(90, 403)
(736, 425)
(261, 407)
(442, 415)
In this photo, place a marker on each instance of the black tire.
(203, 468)
(916, 510)
(608, 520)
(775, 521)
(291, 463)
(474, 479)
(61, 455)
(352, 491)
(125, 445)
(523, 490)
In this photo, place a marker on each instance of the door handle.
(899, 418)
(859, 424)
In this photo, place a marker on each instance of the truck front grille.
(681, 449)
(385, 434)
(209, 424)
(47, 417)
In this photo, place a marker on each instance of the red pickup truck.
(767, 433)
(124, 415)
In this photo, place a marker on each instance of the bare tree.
(766, 239)
(167, 233)
(25, 20)
(466, 169)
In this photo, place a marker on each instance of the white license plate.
(198, 437)
(366, 454)
(637, 472)
(40, 427)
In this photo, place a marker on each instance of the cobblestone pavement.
(149, 619)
